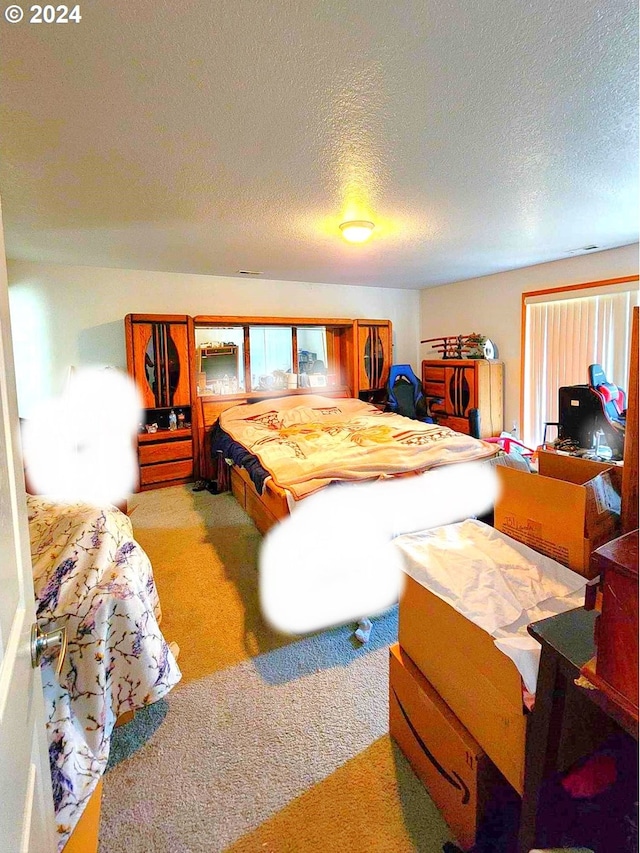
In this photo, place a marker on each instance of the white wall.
(491, 306)
(64, 315)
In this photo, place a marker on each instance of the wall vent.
(582, 249)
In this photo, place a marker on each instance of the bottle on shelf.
(180, 419)
(173, 420)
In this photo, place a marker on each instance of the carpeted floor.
(270, 743)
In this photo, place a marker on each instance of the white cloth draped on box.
(497, 583)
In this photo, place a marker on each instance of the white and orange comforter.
(306, 443)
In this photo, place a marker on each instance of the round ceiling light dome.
(357, 231)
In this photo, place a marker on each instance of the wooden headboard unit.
(178, 366)
(352, 346)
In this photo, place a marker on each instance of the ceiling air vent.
(249, 272)
(582, 249)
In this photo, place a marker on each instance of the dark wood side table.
(568, 721)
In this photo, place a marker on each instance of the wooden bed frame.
(266, 509)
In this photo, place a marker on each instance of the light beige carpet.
(270, 743)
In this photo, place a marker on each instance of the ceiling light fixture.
(357, 231)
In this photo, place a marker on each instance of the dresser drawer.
(433, 374)
(165, 451)
(434, 389)
(165, 472)
(456, 424)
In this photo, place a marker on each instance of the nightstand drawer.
(165, 472)
(165, 451)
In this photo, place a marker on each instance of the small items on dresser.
(463, 346)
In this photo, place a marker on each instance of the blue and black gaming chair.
(405, 395)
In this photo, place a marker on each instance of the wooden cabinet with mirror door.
(373, 344)
(160, 359)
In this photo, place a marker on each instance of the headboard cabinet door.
(160, 359)
(373, 345)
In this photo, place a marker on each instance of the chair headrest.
(597, 375)
(401, 379)
(404, 370)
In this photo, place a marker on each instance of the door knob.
(41, 643)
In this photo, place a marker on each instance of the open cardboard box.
(482, 686)
(479, 683)
(447, 759)
(566, 511)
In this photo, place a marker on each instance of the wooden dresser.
(454, 386)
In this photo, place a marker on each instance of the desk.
(568, 721)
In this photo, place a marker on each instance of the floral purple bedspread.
(91, 576)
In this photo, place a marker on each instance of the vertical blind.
(562, 338)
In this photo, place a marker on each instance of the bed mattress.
(306, 445)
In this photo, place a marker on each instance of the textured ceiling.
(211, 136)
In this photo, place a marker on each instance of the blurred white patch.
(333, 560)
(81, 446)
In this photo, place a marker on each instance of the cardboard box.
(480, 684)
(566, 511)
(458, 775)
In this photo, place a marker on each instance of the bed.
(92, 578)
(285, 449)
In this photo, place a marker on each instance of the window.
(565, 332)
